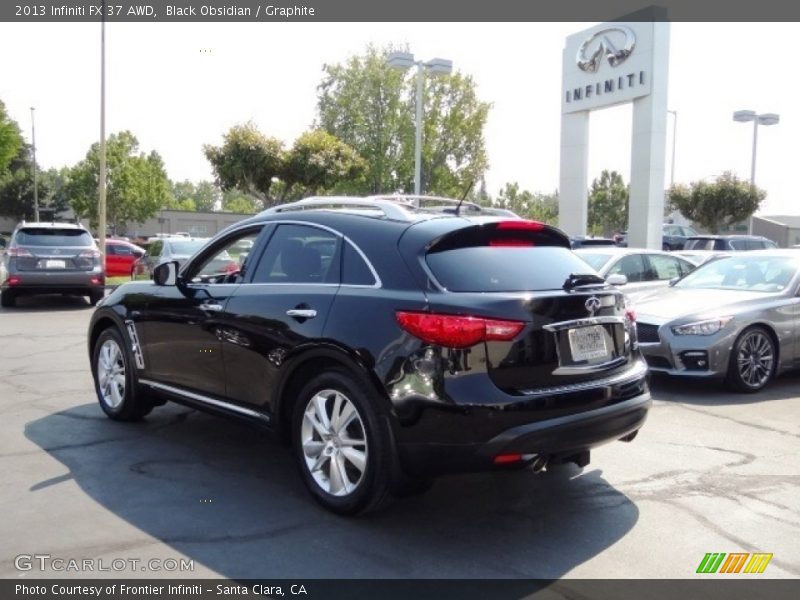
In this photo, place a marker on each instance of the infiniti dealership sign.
(607, 65)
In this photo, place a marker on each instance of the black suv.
(387, 343)
(729, 243)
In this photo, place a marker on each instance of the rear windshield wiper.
(576, 280)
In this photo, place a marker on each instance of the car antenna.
(460, 202)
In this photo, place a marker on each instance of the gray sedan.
(635, 270)
(735, 318)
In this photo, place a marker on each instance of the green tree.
(528, 205)
(234, 200)
(16, 186)
(247, 160)
(10, 140)
(136, 187)
(319, 162)
(718, 205)
(370, 107)
(190, 196)
(608, 204)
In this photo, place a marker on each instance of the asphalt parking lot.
(710, 472)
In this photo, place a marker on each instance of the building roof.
(792, 221)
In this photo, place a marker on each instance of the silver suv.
(51, 258)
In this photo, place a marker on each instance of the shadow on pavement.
(227, 496)
(714, 393)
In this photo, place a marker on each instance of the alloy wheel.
(111, 374)
(334, 442)
(755, 359)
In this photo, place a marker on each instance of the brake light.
(90, 254)
(520, 225)
(455, 331)
(13, 280)
(16, 251)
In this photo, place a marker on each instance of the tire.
(665, 247)
(753, 361)
(7, 299)
(349, 478)
(120, 399)
(95, 296)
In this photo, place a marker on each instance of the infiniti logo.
(592, 304)
(599, 45)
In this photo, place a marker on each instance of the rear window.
(505, 269)
(52, 236)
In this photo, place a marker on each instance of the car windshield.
(53, 236)
(748, 273)
(594, 259)
(186, 247)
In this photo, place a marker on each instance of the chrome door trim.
(205, 399)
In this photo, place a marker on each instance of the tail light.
(13, 280)
(90, 254)
(520, 225)
(455, 331)
(16, 252)
(630, 311)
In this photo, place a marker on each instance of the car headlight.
(708, 327)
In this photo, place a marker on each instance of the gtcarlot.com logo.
(47, 562)
(735, 562)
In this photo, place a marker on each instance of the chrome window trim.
(205, 399)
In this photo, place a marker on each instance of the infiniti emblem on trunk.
(592, 304)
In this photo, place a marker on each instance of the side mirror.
(674, 280)
(166, 273)
(616, 279)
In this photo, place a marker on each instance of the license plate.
(588, 343)
(55, 264)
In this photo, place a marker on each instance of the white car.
(636, 270)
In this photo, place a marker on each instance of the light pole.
(674, 114)
(745, 116)
(442, 66)
(35, 174)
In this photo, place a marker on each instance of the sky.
(179, 86)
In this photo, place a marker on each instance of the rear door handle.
(207, 306)
(301, 313)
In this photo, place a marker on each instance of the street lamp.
(745, 116)
(35, 177)
(438, 66)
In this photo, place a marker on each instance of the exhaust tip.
(539, 463)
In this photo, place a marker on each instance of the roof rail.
(400, 211)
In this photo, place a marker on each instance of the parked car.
(733, 318)
(390, 345)
(177, 249)
(729, 243)
(584, 241)
(698, 257)
(635, 271)
(120, 256)
(51, 258)
(673, 237)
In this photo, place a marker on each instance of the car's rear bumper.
(46, 282)
(623, 413)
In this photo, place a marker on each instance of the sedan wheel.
(753, 361)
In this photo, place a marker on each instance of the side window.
(632, 266)
(741, 245)
(111, 250)
(354, 270)
(122, 250)
(226, 261)
(686, 266)
(155, 249)
(300, 254)
(665, 267)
